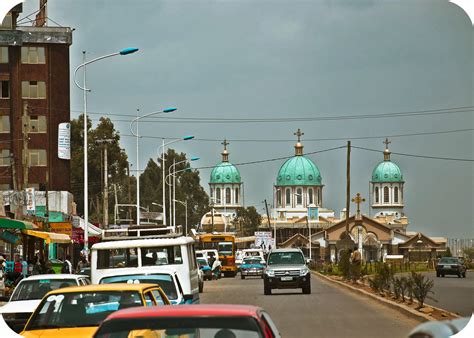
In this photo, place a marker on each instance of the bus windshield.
(225, 249)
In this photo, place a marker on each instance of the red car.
(203, 321)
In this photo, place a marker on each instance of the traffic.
(130, 289)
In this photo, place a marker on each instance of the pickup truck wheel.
(464, 275)
(307, 289)
(267, 290)
(459, 275)
(438, 274)
(242, 276)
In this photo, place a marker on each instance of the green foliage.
(447, 253)
(403, 287)
(344, 264)
(397, 287)
(381, 281)
(422, 287)
(247, 220)
(469, 252)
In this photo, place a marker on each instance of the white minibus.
(145, 255)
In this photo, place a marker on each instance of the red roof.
(197, 310)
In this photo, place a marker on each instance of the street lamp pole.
(135, 120)
(185, 203)
(84, 88)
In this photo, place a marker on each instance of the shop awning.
(7, 223)
(49, 237)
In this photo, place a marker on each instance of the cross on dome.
(225, 143)
(386, 153)
(386, 142)
(225, 153)
(299, 134)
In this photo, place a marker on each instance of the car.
(439, 329)
(286, 269)
(450, 266)
(254, 253)
(251, 266)
(205, 268)
(165, 278)
(28, 294)
(190, 321)
(77, 311)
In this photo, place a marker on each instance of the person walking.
(67, 265)
(84, 264)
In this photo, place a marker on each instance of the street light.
(174, 186)
(163, 145)
(135, 120)
(185, 203)
(84, 88)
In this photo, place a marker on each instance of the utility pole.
(269, 225)
(105, 143)
(348, 187)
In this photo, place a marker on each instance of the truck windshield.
(286, 258)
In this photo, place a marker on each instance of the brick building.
(34, 100)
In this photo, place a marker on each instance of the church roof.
(225, 172)
(387, 171)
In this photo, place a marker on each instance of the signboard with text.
(264, 240)
(64, 141)
(61, 228)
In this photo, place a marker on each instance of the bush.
(344, 264)
(422, 287)
(397, 287)
(403, 287)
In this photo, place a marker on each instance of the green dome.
(298, 170)
(225, 172)
(387, 171)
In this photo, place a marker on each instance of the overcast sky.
(277, 59)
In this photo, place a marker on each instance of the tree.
(103, 135)
(248, 219)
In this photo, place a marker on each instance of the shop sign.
(61, 228)
(9, 237)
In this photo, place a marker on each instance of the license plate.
(284, 279)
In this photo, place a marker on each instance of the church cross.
(225, 143)
(299, 134)
(358, 200)
(386, 142)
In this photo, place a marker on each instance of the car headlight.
(270, 273)
(304, 271)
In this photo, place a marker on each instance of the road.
(328, 312)
(453, 294)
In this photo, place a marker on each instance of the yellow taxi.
(78, 311)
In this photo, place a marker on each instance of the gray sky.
(275, 59)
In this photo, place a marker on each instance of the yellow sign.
(61, 228)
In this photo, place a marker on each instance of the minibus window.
(162, 255)
(117, 258)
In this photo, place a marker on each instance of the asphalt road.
(328, 312)
(453, 294)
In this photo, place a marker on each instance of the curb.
(396, 306)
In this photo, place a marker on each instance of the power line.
(313, 139)
(419, 156)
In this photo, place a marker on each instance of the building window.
(5, 90)
(236, 195)
(32, 55)
(395, 195)
(3, 54)
(299, 196)
(33, 90)
(279, 197)
(4, 124)
(386, 195)
(5, 157)
(227, 196)
(218, 195)
(288, 198)
(310, 196)
(212, 193)
(37, 124)
(376, 192)
(37, 157)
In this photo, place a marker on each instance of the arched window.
(376, 193)
(212, 193)
(236, 195)
(395, 195)
(227, 196)
(310, 196)
(386, 195)
(218, 195)
(279, 197)
(288, 198)
(299, 196)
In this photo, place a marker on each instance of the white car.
(28, 294)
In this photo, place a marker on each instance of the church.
(299, 215)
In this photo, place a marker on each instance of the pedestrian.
(67, 265)
(356, 260)
(216, 268)
(84, 264)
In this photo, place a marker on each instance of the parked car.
(28, 294)
(439, 329)
(205, 268)
(202, 321)
(286, 269)
(254, 253)
(450, 266)
(165, 278)
(251, 266)
(78, 311)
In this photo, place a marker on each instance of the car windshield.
(285, 258)
(202, 327)
(165, 281)
(252, 260)
(36, 289)
(80, 309)
(449, 260)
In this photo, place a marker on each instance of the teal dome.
(387, 171)
(225, 172)
(298, 170)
